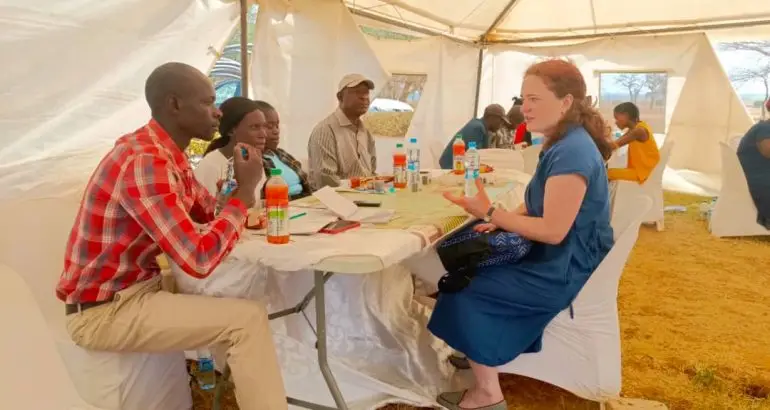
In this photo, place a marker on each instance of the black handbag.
(461, 260)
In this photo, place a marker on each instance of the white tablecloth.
(376, 328)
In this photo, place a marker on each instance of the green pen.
(298, 215)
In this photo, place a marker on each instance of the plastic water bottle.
(413, 165)
(399, 167)
(277, 203)
(471, 169)
(458, 155)
(227, 188)
(207, 378)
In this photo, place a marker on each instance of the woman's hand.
(477, 205)
(485, 227)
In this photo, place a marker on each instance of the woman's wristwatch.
(488, 216)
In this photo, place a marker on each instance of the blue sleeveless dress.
(506, 308)
(756, 167)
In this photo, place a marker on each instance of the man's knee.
(249, 315)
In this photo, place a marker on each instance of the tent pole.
(499, 19)
(244, 48)
(478, 82)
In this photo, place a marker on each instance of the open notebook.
(349, 211)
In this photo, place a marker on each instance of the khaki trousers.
(142, 318)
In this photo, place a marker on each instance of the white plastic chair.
(502, 158)
(104, 380)
(734, 213)
(582, 354)
(623, 207)
(531, 156)
(39, 379)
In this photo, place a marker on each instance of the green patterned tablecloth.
(426, 208)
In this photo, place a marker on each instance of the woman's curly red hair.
(564, 78)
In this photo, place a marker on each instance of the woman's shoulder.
(575, 151)
(213, 161)
(577, 141)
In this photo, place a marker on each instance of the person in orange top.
(643, 154)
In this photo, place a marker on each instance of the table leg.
(323, 361)
(319, 292)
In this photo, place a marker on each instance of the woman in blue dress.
(504, 310)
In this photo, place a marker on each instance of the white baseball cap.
(352, 80)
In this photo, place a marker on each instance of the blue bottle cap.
(413, 140)
(472, 145)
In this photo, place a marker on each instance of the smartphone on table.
(339, 227)
(368, 204)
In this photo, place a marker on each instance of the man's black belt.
(71, 308)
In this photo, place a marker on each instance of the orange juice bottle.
(277, 204)
(458, 155)
(399, 167)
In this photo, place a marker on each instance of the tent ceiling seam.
(649, 25)
(640, 32)
(411, 26)
(499, 19)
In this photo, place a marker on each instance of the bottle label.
(399, 174)
(459, 163)
(277, 220)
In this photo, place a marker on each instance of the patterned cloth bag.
(467, 250)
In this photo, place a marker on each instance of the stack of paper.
(349, 211)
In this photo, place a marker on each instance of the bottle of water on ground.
(413, 165)
(471, 169)
(206, 376)
(277, 203)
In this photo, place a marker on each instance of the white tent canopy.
(538, 20)
(74, 82)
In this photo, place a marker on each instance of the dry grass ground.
(388, 124)
(695, 321)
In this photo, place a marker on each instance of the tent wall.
(302, 54)
(702, 107)
(446, 102)
(75, 78)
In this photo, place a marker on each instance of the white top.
(213, 167)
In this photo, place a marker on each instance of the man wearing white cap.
(340, 146)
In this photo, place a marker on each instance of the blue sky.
(737, 59)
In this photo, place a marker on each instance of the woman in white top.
(242, 121)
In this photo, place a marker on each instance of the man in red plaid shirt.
(143, 200)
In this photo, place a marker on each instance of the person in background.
(643, 154)
(274, 157)
(754, 155)
(242, 122)
(340, 146)
(521, 136)
(143, 200)
(513, 132)
(504, 309)
(477, 130)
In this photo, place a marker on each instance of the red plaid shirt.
(143, 199)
